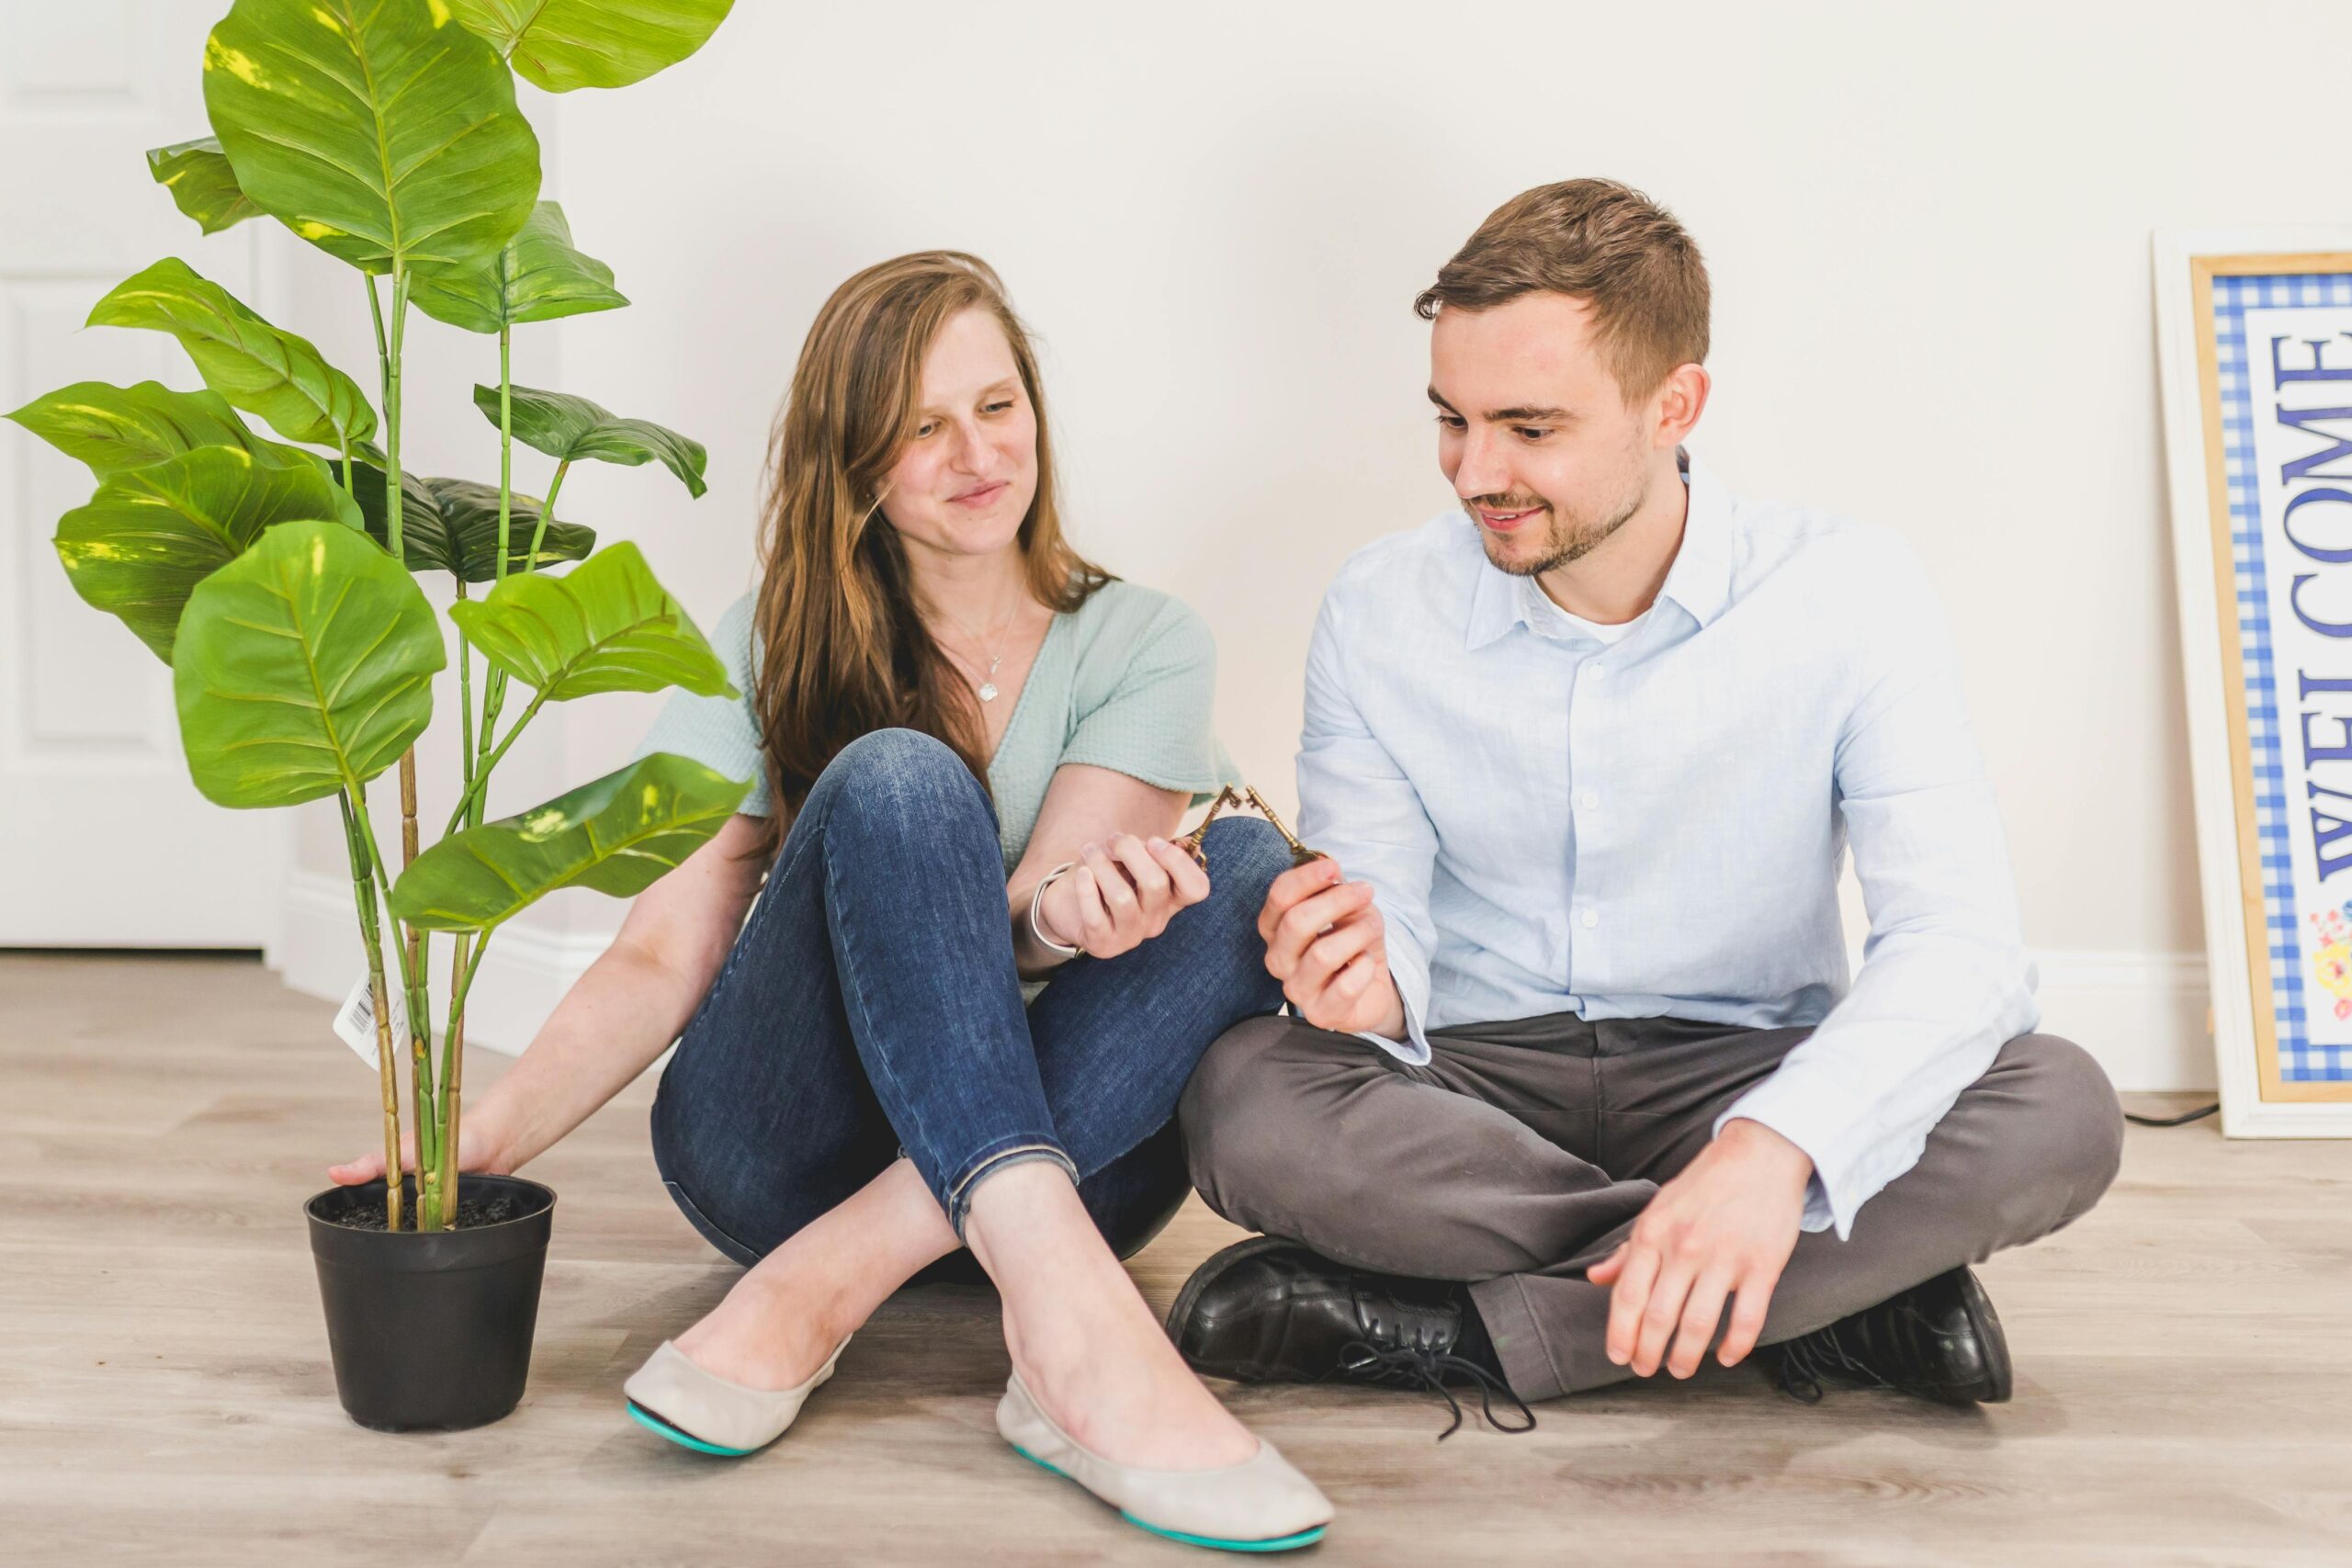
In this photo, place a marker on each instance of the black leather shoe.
(1268, 1310)
(1940, 1340)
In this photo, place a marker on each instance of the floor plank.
(2184, 1391)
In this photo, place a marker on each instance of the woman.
(861, 1086)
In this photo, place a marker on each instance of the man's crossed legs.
(1521, 1154)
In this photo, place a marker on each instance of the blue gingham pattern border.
(2299, 1060)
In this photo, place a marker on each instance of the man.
(1576, 1087)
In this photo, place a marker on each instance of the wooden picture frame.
(2255, 356)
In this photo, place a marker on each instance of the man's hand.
(1725, 1227)
(1326, 943)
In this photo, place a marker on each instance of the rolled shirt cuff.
(1412, 980)
(1834, 1130)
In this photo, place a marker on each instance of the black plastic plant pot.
(431, 1331)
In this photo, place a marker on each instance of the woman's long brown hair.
(842, 650)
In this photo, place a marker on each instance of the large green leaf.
(152, 534)
(202, 184)
(575, 429)
(113, 427)
(618, 835)
(257, 366)
(536, 277)
(304, 666)
(452, 525)
(606, 626)
(564, 44)
(377, 129)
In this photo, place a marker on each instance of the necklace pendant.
(987, 690)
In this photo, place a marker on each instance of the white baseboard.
(522, 977)
(2141, 1014)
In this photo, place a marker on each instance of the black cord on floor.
(2181, 1120)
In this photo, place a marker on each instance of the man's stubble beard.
(1567, 540)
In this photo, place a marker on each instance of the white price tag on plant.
(356, 1021)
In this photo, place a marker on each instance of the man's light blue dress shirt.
(1656, 828)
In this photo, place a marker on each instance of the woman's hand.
(1117, 898)
(478, 1152)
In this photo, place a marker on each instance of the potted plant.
(276, 578)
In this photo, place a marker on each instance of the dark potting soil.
(496, 1209)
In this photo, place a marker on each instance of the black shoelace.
(1805, 1362)
(1410, 1364)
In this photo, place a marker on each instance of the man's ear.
(1679, 402)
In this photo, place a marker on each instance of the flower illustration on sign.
(2332, 959)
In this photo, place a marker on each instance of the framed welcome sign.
(2255, 350)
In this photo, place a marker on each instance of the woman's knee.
(1245, 855)
(886, 758)
(901, 782)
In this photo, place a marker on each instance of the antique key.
(1299, 853)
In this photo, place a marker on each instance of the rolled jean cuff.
(957, 1200)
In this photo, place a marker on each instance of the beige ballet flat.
(1260, 1504)
(702, 1411)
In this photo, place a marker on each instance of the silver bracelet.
(1048, 944)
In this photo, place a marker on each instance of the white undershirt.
(1540, 603)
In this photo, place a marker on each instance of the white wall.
(1928, 226)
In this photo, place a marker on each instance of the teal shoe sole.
(1215, 1544)
(653, 1422)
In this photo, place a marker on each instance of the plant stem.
(546, 511)
(506, 440)
(413, 986)
(493, 697)
(453, 1038)
(453, 1066)
(419, 1003)
(383, 345)
(417, 944)
(496, 697)
(362, 898)
(358, 795)
(466, 701)
(494, 680)
(481, 774)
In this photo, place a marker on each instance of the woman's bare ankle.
(1120, 1389)
(766, 1335)
(1083, 1342)
(785, 1317)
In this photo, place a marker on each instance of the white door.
(103, 839)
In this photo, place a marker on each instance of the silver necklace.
(987, 687)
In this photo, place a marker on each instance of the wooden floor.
(2183, 1379)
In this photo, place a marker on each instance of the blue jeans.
(870, 1007)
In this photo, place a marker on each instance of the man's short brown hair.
(1603, 242)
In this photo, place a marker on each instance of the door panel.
(103, 839)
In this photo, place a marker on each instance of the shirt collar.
(1699, 581)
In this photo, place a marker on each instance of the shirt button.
(1590, 800)
(1591, 919)
(1595, 672)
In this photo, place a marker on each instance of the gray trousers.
(1519, 1156)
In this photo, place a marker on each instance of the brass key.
(1299, 853)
